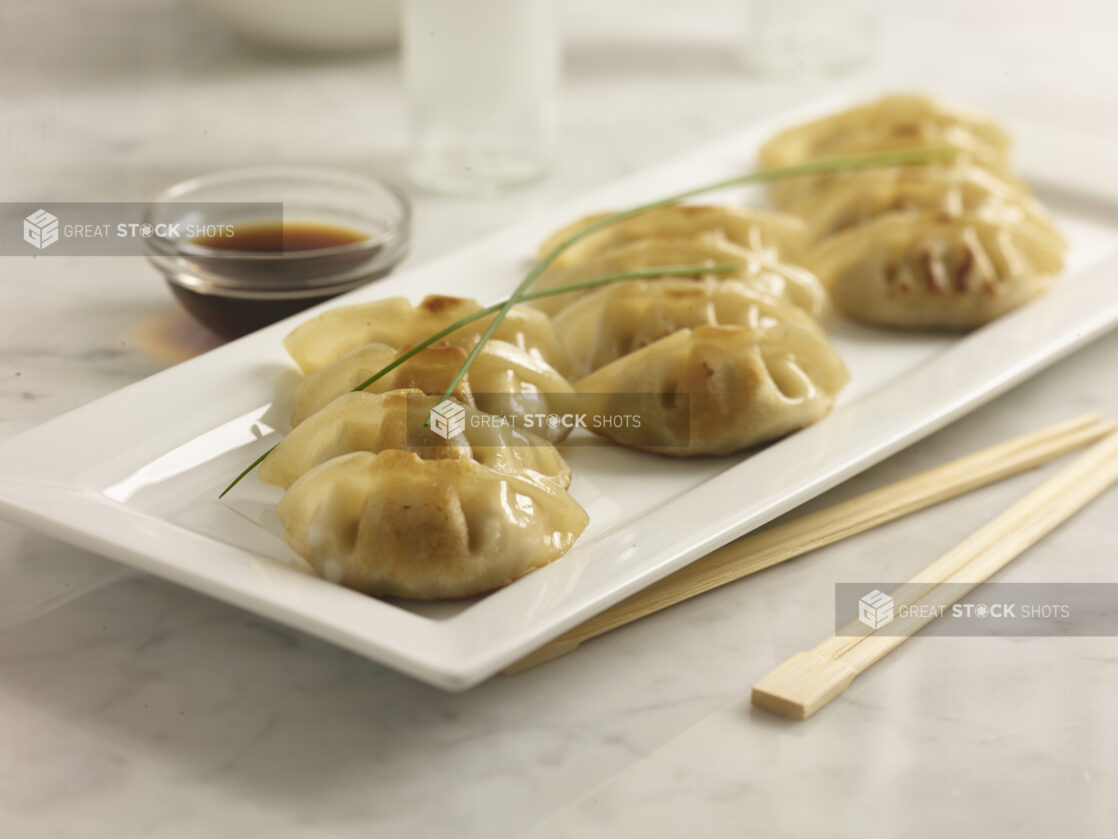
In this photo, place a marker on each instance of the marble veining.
(132, 707)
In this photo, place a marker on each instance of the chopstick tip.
(802, 685)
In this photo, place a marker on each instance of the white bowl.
(305, 26)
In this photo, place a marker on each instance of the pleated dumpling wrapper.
(893, 123)
(374, 422)
(716, 389)
(783, 236)
(397, 323)
(618, 319)
(780, 279)
(856, 197)
(503, 380)
(393, 524)
(928, 272)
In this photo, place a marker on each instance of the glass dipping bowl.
(234, 291)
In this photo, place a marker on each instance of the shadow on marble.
(204, 691)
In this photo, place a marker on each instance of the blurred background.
(119, 99)
(122, 97)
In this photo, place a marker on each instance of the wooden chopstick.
(755, 552)
(809, 680)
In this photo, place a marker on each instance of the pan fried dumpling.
(504, 380)
(426, 371)
(392, 524)
(851, 198)
(509, 383)
(904, 271)
(779, 279)
(397, 323)
(617, 319)
(893, 123)
(716, 389)
(374, 422)
(780, 234)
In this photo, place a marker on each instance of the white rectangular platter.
(136, 475)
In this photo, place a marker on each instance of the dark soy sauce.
(264, 290)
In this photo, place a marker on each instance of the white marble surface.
(130, 707)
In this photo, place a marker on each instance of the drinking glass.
(482, 78)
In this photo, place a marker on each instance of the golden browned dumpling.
(426, 372)
(779, 279)
(503, 380)
(716, 389)
(397, 323)
(618, 319)
(394, 524)
(947, 192)
(932, 272)
(374, 422)
(893, 123)
(780, 235)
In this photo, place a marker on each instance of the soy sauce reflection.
(278, 237)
